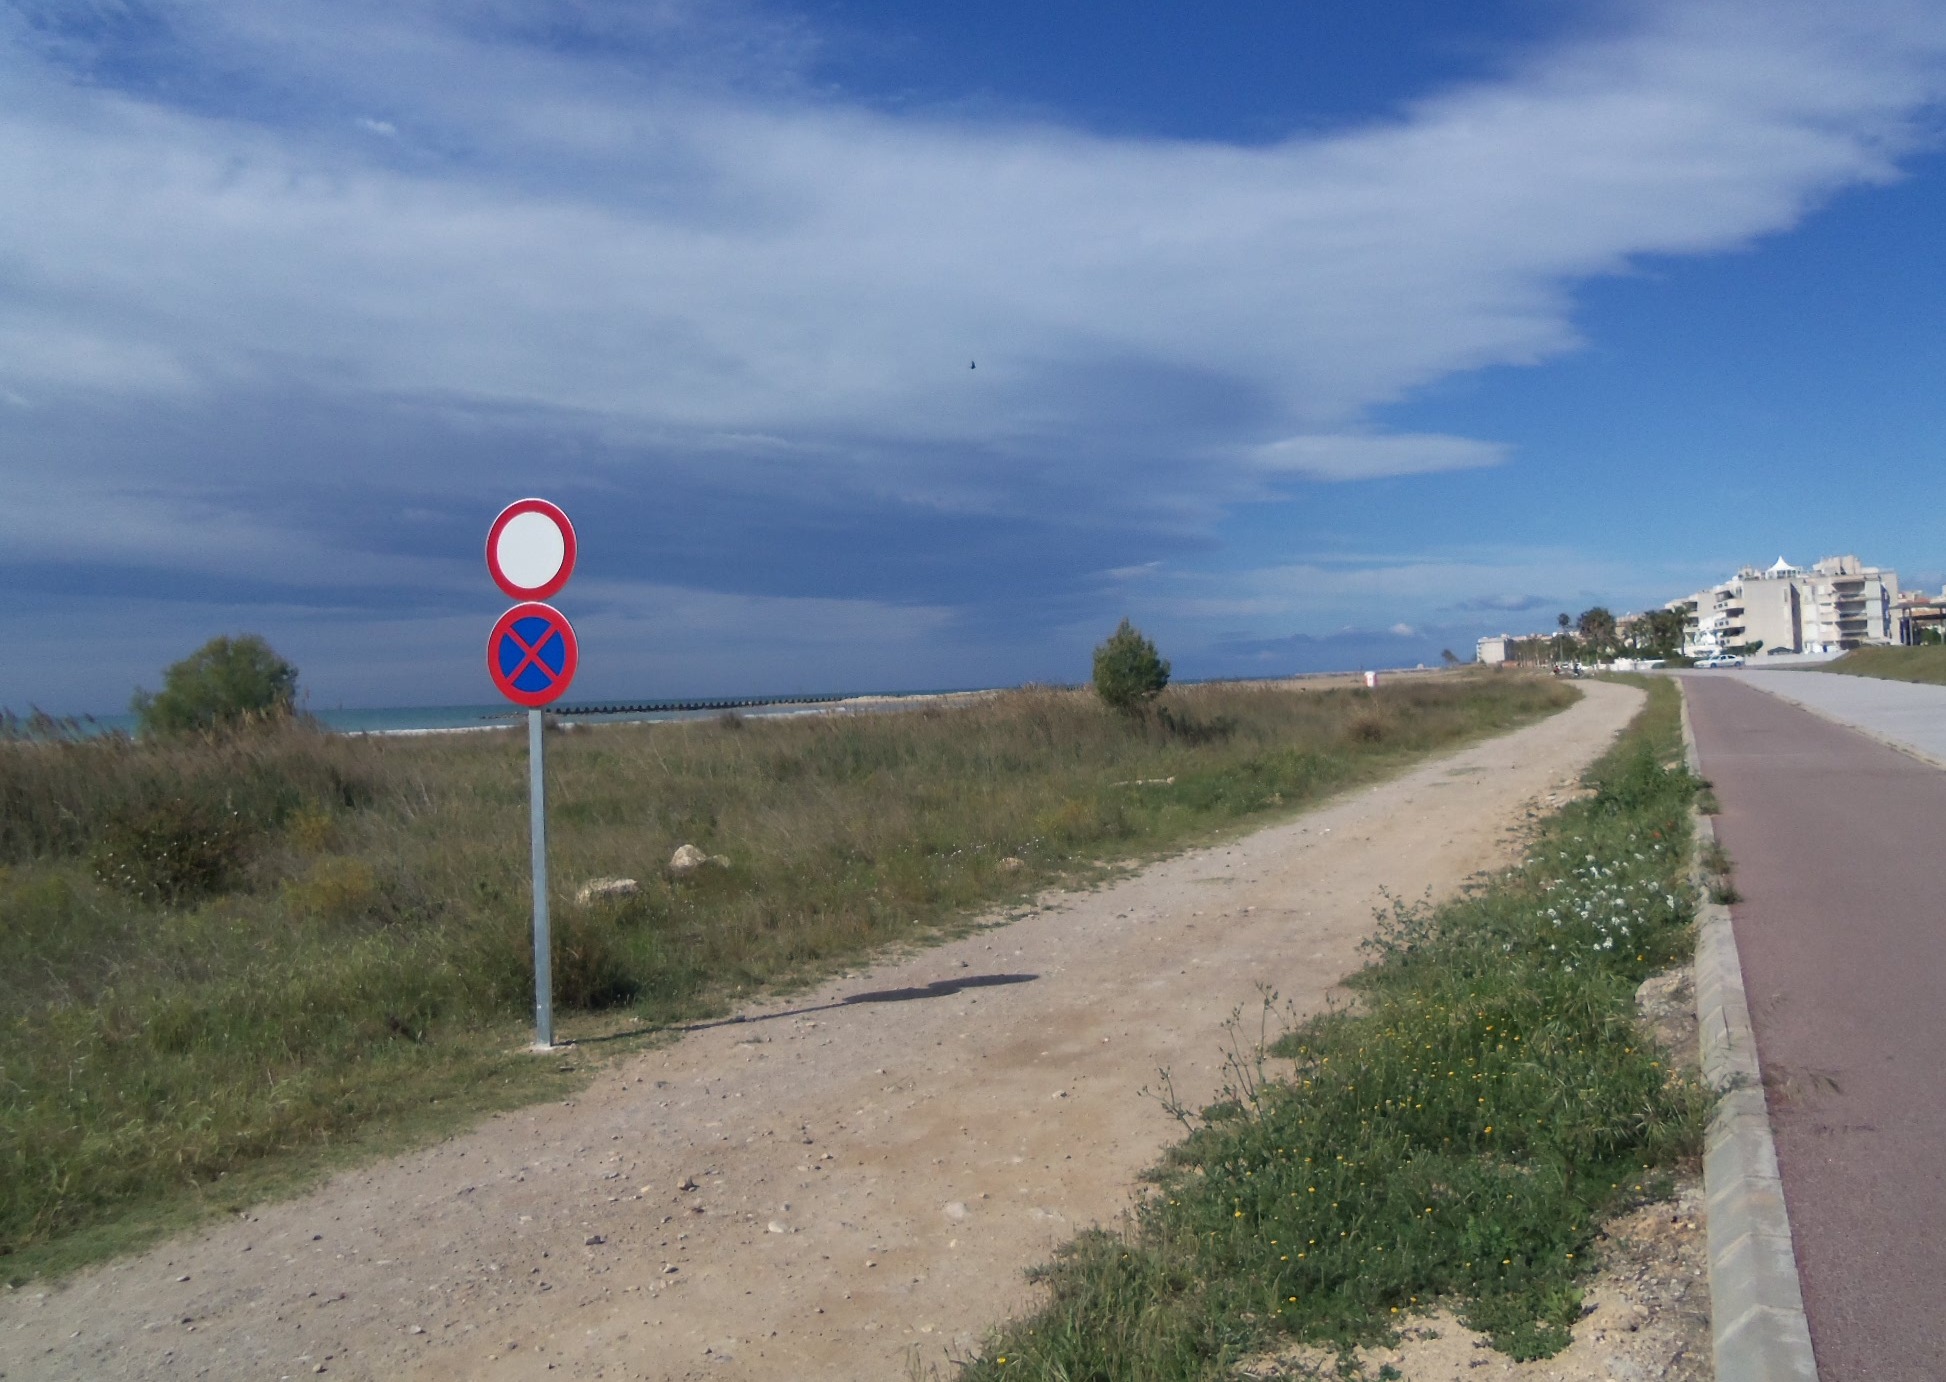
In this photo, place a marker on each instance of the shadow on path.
(938, 988)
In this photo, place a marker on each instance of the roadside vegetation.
(1457, 1136)
(1926, 663)
(228, 958)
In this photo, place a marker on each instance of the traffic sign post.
(537, 832)
(532, 655)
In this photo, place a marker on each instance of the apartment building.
(1835, 605)
(1494, 649)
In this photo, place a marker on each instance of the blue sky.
(1308, 335)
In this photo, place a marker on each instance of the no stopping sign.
(532, 654)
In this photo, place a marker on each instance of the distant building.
(1920, 618)
(1835, 606)
(1494, 648)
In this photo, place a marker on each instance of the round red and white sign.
(530, 549)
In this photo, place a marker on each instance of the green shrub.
(224, 683)
(593, 968)
(1129, 673)
(171, 852)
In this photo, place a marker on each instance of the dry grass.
(223, 958)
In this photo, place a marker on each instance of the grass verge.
(1458, 1136)
(228, 963)
(1924, 664)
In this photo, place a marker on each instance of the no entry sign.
(530, 549)
(532, 654)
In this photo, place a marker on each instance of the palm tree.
(1597, 627)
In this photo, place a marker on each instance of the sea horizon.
(428, 719)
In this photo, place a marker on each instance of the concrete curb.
(1756, 1304)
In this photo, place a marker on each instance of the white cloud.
(1354, 456)
(686, 258)
(1430, 588)
(709, 264)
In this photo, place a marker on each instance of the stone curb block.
(1756, 1303)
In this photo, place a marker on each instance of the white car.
(1720, 660)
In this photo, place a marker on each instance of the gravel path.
(835, 1186)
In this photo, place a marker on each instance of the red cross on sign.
(532, 654)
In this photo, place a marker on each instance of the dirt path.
(835, 1184)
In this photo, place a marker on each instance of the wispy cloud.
(826, 273)
(1353, 456)
(1504, 604)
(650, 246)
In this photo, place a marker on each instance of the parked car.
(1720, 660)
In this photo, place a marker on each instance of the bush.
(1128, 671)
(226, 682)
(171, 852)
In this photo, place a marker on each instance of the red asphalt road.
(1839, 850)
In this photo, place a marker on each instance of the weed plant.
(223, 957)
(1458, 1136)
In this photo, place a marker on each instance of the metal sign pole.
(531, 656)
(543, 951)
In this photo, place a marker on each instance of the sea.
(440, 719)
(446, 719)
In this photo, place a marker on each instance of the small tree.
(223, 683)
(1128, 671)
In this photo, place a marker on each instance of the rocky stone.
(595, 889)
(689, 860)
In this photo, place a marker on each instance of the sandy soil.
(834, 1187)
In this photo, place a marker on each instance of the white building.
(1837, 605)
(1493, 649)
